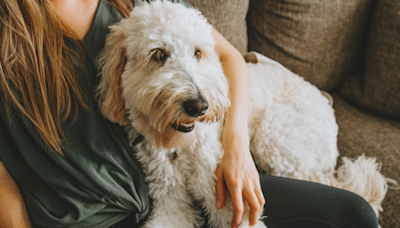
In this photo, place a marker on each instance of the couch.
(349, 48)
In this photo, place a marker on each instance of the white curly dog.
(162, 77)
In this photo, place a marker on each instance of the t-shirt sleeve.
(7, 143)
(4, 145)
(2, 136)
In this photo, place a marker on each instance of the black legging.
(292, 203)
(300, 204)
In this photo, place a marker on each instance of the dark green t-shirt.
(98, 182)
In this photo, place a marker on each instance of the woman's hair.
(38, 72)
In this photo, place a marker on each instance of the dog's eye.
(197, 54)
(159, 55)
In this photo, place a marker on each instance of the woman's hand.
(238, 172)
(237, 169)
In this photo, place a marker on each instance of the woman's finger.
(255, 207)
(235, 189)
(220, 188)
(259, 194)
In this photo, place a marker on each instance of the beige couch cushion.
(378, 88)
(228, 17)
(364, 133)
(322, 41)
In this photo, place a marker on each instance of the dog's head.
(161, 74)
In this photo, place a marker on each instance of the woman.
(64, 165)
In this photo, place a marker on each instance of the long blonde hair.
(38, 72)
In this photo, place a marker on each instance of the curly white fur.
(292, 127)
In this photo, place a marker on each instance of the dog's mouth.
(183, 127)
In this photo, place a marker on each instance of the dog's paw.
(245, 224)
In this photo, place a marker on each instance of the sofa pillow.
(322, 41)
(378, 87)
(228, 17)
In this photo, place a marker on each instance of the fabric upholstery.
(322, 41)
(360, 133)
(228, 17)
(378, 88)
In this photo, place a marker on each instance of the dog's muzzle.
(195, 108)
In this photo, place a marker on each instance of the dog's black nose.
(195, 108)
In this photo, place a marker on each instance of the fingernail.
(218, 204)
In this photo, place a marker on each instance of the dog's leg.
(201, 184)
(172, 206)
(203, 190)
(174, 209)
(202, 187)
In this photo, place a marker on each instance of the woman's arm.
(13, 211)
(237, 169)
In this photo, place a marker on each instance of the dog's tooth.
(186, 125)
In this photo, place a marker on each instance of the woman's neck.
(78, 15)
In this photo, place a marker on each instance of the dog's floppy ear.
(112, 60)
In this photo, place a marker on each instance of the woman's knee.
(289, 199)
(358, 211)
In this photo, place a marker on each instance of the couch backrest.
(377, 88)
(321, 40)
(228, 17)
